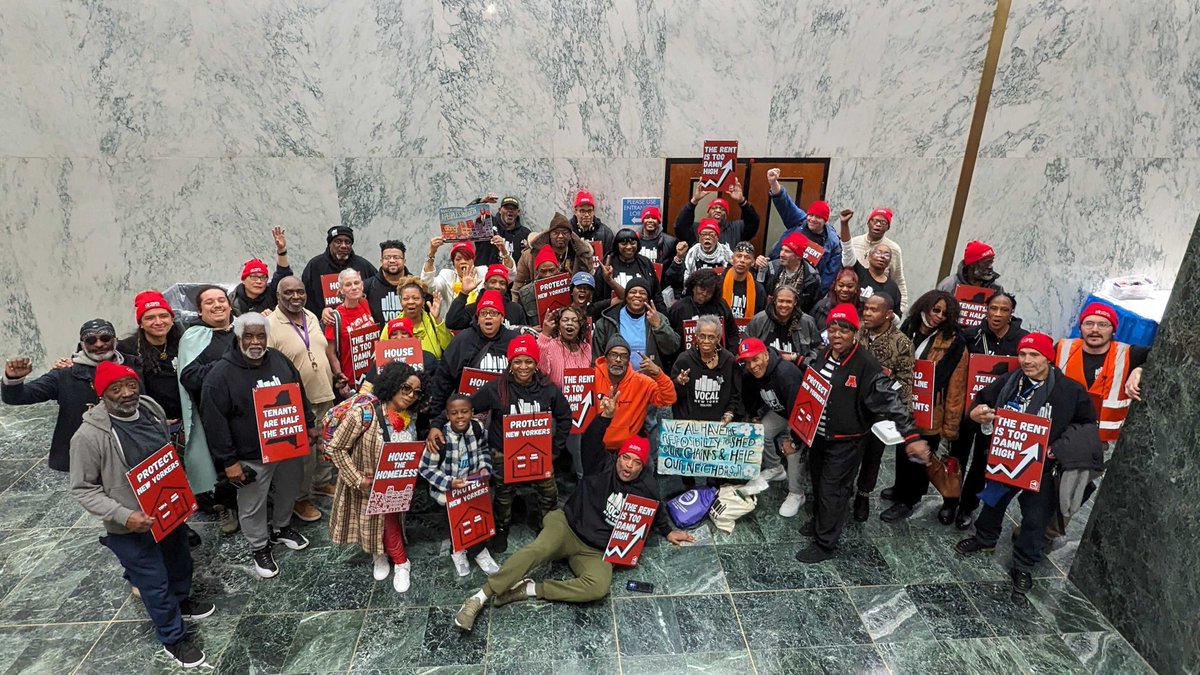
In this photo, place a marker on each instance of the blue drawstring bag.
(690, 508)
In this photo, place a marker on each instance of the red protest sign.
(972, 304)
(1018, 449)
(578, 386)
(658, 268)
(812, 252)
(631, 531)
(552, 292)
(362, 348)
(922, 393)
(528, 447)
(466, 223)
(470, 512)
(742, 325)
(282, 433)
(407, 350)
(395, 478)
(689, 331)
(329, 290)
(718, 165)
(983, 369)
(810, 405)
(162, 490)
(473, 378)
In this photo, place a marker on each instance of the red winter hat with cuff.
(976, 251)
(820, 210)
(843, 312)
(636, 446)
(583, 198)
(148, 300)
(719, 202)
(886, 214)
(652, 212)
(254, 266)
(708, 224)
(1038, 342)
(795, 242)
(1101, 310)
(497, 271)
(524, 345)
(399, 325)
(463, 247)
(108, 372)
(545, 255)
(490, 299)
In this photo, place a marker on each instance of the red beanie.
(545, 255)
(108, 372)
(583, 198)
(490, 299)
(708, 224)
(652, 212)
(886, 214)
(976, 251)
(820, 210)
(1038, 342)
(523, 345)
(750, 348)
(497, 271)
(463, 247)
(636, 446)
(719, 202)
(399, 325)
(843, 312)
(254, 266)
(147, 300)
(1101, 310)
(795, 242)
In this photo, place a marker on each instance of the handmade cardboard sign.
(282, 433)
(473, 378)
(528, 447)
(983, 369)
(972, 304)
(407, 350)
(162, 490)
(470, 512)
(1018, 450)
(810, 405)
(922, 393)
(466, 223)
(719, 165)
(551, 293)
(578, 386)
(694, 448)
(329, 290)
(395, 478)
(631, 530)
(362, 348)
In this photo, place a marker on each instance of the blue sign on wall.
(631, 209)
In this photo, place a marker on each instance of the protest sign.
(972, 304)
(282, 433)
(407, 350)
(597, 254)
(362, 347)
(631, 210)
(329, 290)
(631, 530)
(551, 293)
(470, 512)
(162, 490)
(922, 393)
(718, 166)
(742, 325)
(1018, 450)
(578, 385)
(473, 378)
(466, 223)
(528, 447)
(810, 405)
(813, 252)
(395, 478)
(712, 449)
(983, 369)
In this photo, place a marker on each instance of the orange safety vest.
(1108, 389)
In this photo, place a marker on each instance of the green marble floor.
(895, 600)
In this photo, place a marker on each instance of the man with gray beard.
(227, 412)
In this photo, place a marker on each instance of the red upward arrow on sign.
(1028, 455)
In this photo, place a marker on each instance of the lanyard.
(302, 331)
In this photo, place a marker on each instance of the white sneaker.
(485, 562)
(382, 567)
(461, 567)
(791, 505)
(777, 474)
(755, 486)
(401, 580)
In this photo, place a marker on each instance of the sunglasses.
(409, 390)
(103, 337)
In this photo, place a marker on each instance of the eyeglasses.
(1095, 324)
(395, 258)
(617, 356)
(256, 277)
(409, 390)
(102, 337)
(701, 337)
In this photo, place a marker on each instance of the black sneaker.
(196, 609)
(290, 538)
(264, 563)
(499, 542)
(814, 553)
(862, 508)
(888, 494)
(1022, 581)
(185, 653)
(972, 545)
(946, 514)
(809, 528)
(193, 538)
(896, 512)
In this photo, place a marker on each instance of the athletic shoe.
(1022, 582)
(972, 545)
(514, 594)
(401, 580)
(264, 563)
(813, 554)
(777, 474)
(464, 619)
(791, 505)
(228, 519)
(485, 562)
(896, 512)
(304, 510)
(290, 538)
(381, 567)
(196, 609)
(461, 566)
(185, 653)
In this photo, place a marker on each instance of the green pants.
(592, 574)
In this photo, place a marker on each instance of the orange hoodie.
(635, 393)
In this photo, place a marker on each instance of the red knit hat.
(545, 255)
(490, 299)
(463, 247)
(708, 224)
(750, 348)
(524, 345)
(820, 210)
(976, 251)
(399, 325)
(719, 202)
(1038, 342)
(254, 266)
(147, 300)
(795, 242)
(636, 446)
(583, 198)
(1101, 310)
(497, 271)
(886, 214)
(108, 372)
(843, 312)
(652, 212)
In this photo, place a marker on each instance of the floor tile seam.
(36, 462)
(742, 629)
(361, 627)
(612, 609)
(971, 599)
(1062, 636)
(100, 636)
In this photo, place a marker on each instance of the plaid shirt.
(462, 455)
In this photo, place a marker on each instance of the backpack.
(368, 406)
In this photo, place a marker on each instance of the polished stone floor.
(896, 600)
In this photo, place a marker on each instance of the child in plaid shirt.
(465, 453)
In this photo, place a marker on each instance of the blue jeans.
(162, 573)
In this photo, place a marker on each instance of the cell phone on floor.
(640, 586)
